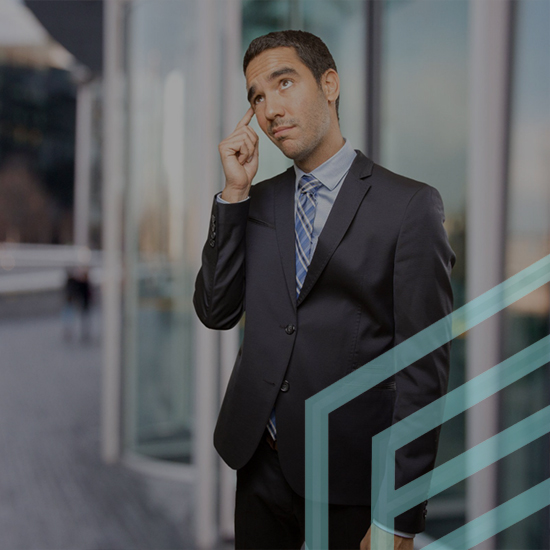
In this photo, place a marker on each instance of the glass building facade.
(415, 84)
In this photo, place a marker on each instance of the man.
(335, 261)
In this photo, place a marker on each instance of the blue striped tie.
(305, 214)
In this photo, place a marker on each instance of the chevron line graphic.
(388, 502)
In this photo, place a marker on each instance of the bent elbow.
(216, 319)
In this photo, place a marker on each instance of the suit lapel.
(343, 210)
(284, 225)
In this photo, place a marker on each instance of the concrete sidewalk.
(55, 492)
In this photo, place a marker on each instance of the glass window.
(158, 312)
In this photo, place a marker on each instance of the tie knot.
(309, 184)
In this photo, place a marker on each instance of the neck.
(326, 150)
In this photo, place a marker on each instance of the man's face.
(290, 107)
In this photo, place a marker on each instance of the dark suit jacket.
(380, 273)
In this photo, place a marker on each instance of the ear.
(330, 82)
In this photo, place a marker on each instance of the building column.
(233, 86)
(374, 25)
(83, 161)
(490, 40)
(112, 153)
(206, 343)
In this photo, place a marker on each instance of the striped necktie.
(305, 214)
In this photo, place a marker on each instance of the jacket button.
(285, 386)
(289, 329)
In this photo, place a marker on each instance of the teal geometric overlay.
(388, 502)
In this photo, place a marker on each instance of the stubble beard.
(321, 121)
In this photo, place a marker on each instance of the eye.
(285, 83)
(257, 99)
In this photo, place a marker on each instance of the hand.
(400, 543)
(239, 155)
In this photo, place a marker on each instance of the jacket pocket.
(260, 222)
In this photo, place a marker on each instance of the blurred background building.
(111, 112)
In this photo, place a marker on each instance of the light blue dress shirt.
(331, 174)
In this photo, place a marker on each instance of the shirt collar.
(332, 170)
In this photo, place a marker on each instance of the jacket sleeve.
(422, 295)
(219, 297)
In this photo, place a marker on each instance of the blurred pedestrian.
(68, 313)
(84, 301)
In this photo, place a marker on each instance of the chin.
(293, 150)
(286, 148)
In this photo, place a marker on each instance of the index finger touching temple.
(246, 118)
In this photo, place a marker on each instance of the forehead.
(271, 60)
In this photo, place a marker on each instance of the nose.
(273, 108)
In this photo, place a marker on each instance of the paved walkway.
(55, 492)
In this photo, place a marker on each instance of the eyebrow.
(272, 76)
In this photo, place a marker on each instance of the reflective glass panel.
(159, 278)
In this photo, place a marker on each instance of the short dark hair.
(311, 50)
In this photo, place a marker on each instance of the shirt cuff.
(395, 531)
(219, 198)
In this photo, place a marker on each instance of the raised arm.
(220, 284)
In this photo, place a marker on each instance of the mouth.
(281, 130)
